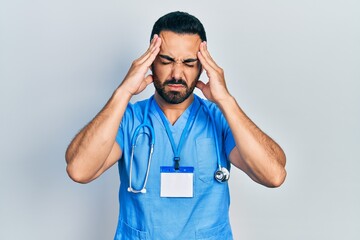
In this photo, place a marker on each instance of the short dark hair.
(179, 22)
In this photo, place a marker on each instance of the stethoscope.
(135, 137)
(222, 174)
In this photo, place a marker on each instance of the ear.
(200, 70)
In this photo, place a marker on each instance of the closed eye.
(165, 60)
(186, 64)
(191, 62)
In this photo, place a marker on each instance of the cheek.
(160, 71)
(193, 75)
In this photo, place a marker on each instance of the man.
(172, 193)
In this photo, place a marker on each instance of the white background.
(293, 66)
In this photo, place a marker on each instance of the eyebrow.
(189, 60)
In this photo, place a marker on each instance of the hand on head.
(136, 80)
(215, 89)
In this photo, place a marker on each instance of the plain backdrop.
(293, 66)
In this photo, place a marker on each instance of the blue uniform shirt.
(148, 216)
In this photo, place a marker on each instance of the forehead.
(179, 45)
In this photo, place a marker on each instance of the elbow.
(278, 179)
(73, 169)
(277, 175)
(76, 175)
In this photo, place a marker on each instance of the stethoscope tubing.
(136, 135)
(145, 124)
(215, 133)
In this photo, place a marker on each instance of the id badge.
(176, 183)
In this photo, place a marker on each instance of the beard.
(174, 97)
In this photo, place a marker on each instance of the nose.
(177, 70)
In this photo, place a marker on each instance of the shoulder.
(214, 113)
(139, 105)
(210, 107)
(135, 110)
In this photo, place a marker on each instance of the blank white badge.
(176, 183)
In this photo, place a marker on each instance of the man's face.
(176, 69)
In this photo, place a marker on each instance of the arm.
(94, 149)
(255, 153)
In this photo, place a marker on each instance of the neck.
(173, 111)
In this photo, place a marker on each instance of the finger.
(155, 43)
(153, 54)
(206, 54)
(205, 63)
(149, 58)
(204, 51)
(152, 43)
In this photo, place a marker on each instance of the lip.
(176, 86)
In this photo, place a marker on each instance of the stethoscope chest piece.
(222, 175)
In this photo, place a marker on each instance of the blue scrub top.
(148, 216)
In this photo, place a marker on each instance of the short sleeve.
(127, 118)
(226, 134)
(229, 139)
(120, 135)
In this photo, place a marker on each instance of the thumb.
(200, 85)
(148, 79)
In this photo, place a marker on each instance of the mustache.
(175, 81)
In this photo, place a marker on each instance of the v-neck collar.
(181, 121)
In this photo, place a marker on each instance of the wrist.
(121, 94)
(226, 102)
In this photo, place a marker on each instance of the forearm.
(90, 148)
(256, 153)
(94, 149)
(262, 158)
